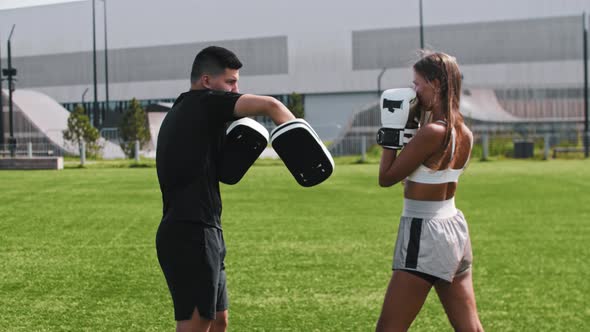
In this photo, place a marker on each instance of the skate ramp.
(483, 105)
(480, 105)
(155, 117)
(50, 119)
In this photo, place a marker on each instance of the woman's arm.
(393, 168)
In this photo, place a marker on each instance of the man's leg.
(220, 322)
(221, 316)
(195, 324)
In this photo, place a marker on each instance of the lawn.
(77, 249)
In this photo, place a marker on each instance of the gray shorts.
(433, 238)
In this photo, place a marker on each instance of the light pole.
(106, 55)
(1, 103)
(95, 120)
(379, 82)
(11, 72)
(84, 95)
(421, 28)
(586, 132)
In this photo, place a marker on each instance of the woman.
(433, 246)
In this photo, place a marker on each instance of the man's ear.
(206, 81)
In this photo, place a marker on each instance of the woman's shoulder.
(465, 132)
(433, 129)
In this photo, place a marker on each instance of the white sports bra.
(426, 175)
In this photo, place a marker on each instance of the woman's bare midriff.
(429, 192)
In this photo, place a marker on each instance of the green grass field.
(77, 249)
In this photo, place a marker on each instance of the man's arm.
(251, 105)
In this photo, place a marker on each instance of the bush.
(295, 105)
(80, 130)
(134, 126)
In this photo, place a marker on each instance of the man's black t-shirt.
(189, 150)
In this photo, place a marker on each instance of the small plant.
(80, 130)
(295, 105)
(134, 127)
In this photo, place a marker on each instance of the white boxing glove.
(395, 110)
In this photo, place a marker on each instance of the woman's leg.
(458, 299)
(404, 298)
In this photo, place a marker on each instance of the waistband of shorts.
(429, 209)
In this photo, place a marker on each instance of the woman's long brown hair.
(444, 68)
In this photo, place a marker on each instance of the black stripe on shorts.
(414, 243)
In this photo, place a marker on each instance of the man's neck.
(197, 86)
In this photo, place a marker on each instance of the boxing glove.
(395, 110)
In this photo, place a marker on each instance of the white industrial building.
(330, 51)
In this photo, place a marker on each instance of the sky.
(9, 4)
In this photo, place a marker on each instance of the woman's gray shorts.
(433, 238)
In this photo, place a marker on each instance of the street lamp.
(106, 55)
(379, 82)
(1, 104)
(10, 72)
(84, 95)
(586, 124)
(421, 28)
(95, 120)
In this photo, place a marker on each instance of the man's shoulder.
(187, 101)
(200, 95)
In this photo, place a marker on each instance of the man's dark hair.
(213, 60)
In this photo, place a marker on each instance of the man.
(189, 241)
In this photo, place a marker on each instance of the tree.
(80, 130)
(295, 105)
(134, 126)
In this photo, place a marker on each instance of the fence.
(110, 134)
(490, 144)
(30, 150)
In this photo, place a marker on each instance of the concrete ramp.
(155, 122)
(482, 105)
(47, 117)
(45, 114)
(111, 150)
(155, 119)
